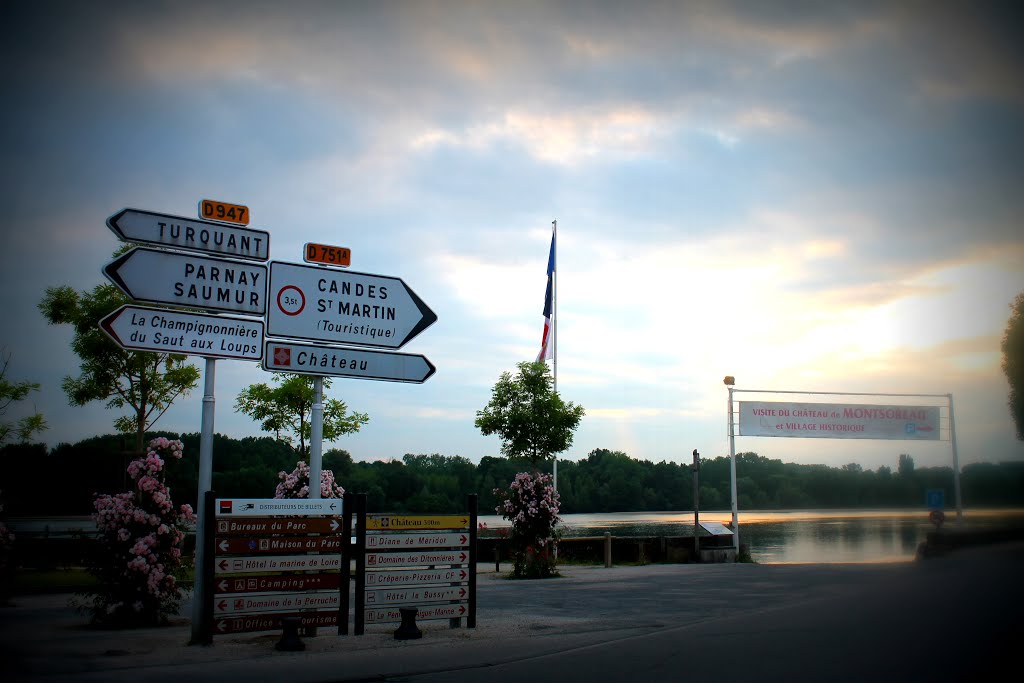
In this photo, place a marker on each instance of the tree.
(12, 392)
(147, 383)
(906, 465)
(286, 410)
(529, 415)
(1013, 361)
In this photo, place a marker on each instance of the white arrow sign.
(167, 277)
(324, 304)
(311, 359)
(136, 328)
(190, 234)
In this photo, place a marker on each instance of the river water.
(774, 537)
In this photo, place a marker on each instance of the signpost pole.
(956, 464)
(732, 478)
(199, 593)
(316, 437)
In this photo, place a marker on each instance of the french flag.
(545, 342)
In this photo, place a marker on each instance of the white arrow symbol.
(223, 585)
(334, 525)
(223, 545)
(221, 626)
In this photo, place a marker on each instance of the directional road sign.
(385, 614)
(277, 525)
(311, 359)
(285, 582)
(168, 277)
(276, 563)
(343, 307)
(261, 507)
(275, 602)
(412, 577)
(190, 234)
(404, 596)
(273, 621)
(411, 559)
(279, 544)
(403, 540)
(136, 328)
(414, 522)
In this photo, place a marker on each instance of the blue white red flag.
(545, 342)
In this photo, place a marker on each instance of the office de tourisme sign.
(839, 420)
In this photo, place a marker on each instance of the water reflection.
(800, 536)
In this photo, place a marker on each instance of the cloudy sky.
(808, 196)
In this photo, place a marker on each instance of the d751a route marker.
(189, 234)
(312, 359)
(136, 328)
(168, 277)
(326, 254)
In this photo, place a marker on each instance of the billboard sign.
(839, 421)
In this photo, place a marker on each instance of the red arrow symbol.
(462, 592)
(462, 609)
(462, 557)
(222, 605)
(462, 574)
(462, 538)
(223, 564)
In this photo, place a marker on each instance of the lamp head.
(729, 380)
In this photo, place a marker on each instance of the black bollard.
(290, 636)
(408, 630)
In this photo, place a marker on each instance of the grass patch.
(69, 580)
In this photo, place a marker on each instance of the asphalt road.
(953, 618)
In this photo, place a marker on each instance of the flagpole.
(554, 333)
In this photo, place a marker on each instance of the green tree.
(286, 410)
(528, 414)
(1013, 361)
(12, 392)
(147, 383)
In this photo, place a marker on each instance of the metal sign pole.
(956, 464)
(199, 592)
(316, 437)
(732, 478)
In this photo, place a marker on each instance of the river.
(774, 537)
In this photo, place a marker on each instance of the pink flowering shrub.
(531, 505)
(141, 536)
(295, 484)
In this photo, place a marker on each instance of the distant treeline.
(62, 481)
